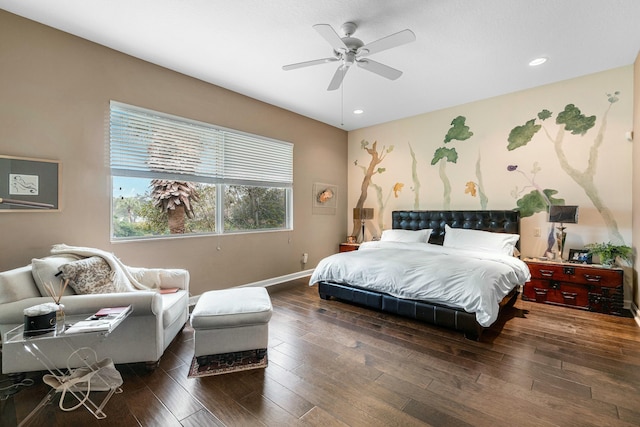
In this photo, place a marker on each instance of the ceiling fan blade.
(338, 76)
(379, 69)
(330, 35)
(394, 40)
(309, 63)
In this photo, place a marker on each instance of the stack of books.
(105, 320)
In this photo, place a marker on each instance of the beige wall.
(54, 99)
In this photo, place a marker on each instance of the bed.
(460, 280)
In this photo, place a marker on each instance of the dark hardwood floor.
(334, 364)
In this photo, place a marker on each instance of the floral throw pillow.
(89, 276)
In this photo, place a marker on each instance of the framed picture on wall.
(29, 184)
(325, 198)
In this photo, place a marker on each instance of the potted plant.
(608, 252)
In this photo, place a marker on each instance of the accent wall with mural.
(558, 144)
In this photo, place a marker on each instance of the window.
(174, 176)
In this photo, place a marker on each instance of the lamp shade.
(566, 214)
(362, 213)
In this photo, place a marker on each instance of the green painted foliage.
(534, 202)
(613, 97)
(574, 121)
(521, 135)
(544, 114)
(458, 131)
(450, 154)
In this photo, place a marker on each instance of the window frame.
(235, 145)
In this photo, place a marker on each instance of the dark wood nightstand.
(348, 247)
(583, 286)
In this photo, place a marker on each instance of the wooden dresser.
(587, 287)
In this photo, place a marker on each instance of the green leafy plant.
(608, 252)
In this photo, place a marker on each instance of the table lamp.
(362, 214)
(562, 214)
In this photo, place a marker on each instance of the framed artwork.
(580, 256)
(325, 198)
(29, 184)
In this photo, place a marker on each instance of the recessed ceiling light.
(358, 111)
(537, 61)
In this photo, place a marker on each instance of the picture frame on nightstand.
(580, 256)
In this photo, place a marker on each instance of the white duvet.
(470, 280)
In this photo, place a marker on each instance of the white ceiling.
(465, 50)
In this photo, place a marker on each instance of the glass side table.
(85, 358)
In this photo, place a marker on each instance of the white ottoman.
(232, 320)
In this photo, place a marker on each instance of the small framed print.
(325, 198)
(580, 256)
(29, 184)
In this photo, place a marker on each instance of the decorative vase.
(60, 318)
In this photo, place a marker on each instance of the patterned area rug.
(218, 364)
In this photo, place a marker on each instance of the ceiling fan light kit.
(349, 50)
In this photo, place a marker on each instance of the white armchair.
(143, 337)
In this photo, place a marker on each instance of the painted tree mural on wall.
(550, 160)
(384, 201)
(415, 179)
(570, 120)
(537, 199)
(476, 188)
(459, 131)
(369, 171)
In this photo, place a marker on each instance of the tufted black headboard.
(495, 221)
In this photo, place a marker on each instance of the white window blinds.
(249, 158)
(146, 143)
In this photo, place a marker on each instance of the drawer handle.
(592, 278)
(546, 273)
(569, 295)
(540, 294)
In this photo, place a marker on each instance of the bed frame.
(432, 313)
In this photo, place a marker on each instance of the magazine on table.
(105, 320)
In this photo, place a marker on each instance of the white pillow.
(44, 271)
(407, 236)
(476, 240)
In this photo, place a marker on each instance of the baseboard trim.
(635, 312)
(274, 281)
(278, 280)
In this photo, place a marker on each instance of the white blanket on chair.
(123, 280)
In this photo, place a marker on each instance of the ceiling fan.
(349, 50)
